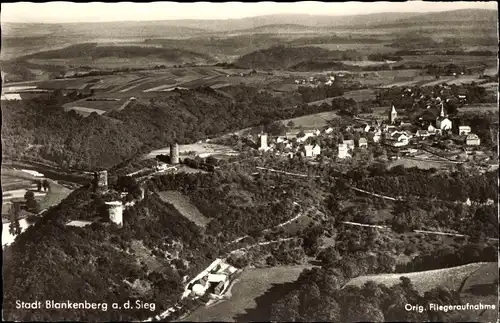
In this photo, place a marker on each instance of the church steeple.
(441, 114)
(393, 115)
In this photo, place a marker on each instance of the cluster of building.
(213, 282)
(393, 132)
(315, 81)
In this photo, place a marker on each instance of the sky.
(60, 12)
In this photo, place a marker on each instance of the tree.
(46, 185)
(328, 257)
(290, 124)
(29, 195)
(14, 226)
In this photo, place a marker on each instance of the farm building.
(214, 281)
(312, 151)
(472, 140)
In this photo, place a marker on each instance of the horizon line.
(240, 18)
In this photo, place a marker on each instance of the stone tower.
(263, 141)
(101, 181)
(115, 211)
(393, 115)
(174, 154)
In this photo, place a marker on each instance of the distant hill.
(284, 29)
(283, 57)
(94, 51)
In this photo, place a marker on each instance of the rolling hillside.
(452, 278)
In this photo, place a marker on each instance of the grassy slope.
(185, 207)
(423, 281)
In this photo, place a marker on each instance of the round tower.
(174, 154)
(115, 211)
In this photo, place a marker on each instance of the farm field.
(313, 121)
(248, 295)
(422, 164)
(15, 183)
(360, 95)
(185, 207)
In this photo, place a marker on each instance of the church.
(442, 122)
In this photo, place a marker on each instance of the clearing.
(185, 207)
(312, 121)
(250, 295)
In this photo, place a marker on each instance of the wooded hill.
(52, 261)
(40, 130)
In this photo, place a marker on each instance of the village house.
(362, 142)
(328, 130)
(308, 134)
(343, 151)
(464, 130)
(472, 140)
(311, 151)
(398, 139)
(422, 134)
(349, 143)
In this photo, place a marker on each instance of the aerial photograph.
(250, 162)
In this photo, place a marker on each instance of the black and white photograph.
(250, 161)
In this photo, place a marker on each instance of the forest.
(238, 204)
(39, 130)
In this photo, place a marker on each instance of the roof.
(350, 141)
(363, 140)
(464, 127)
(472, 136)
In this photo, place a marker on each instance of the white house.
(308, 134)
(431, 129)
(349, 143)
(308, 150)
(316, 150)
(422, 133)
(398, 140)
(328, 130)
(362, 143)
(343, 151)
(472, 140)
(464, 130)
